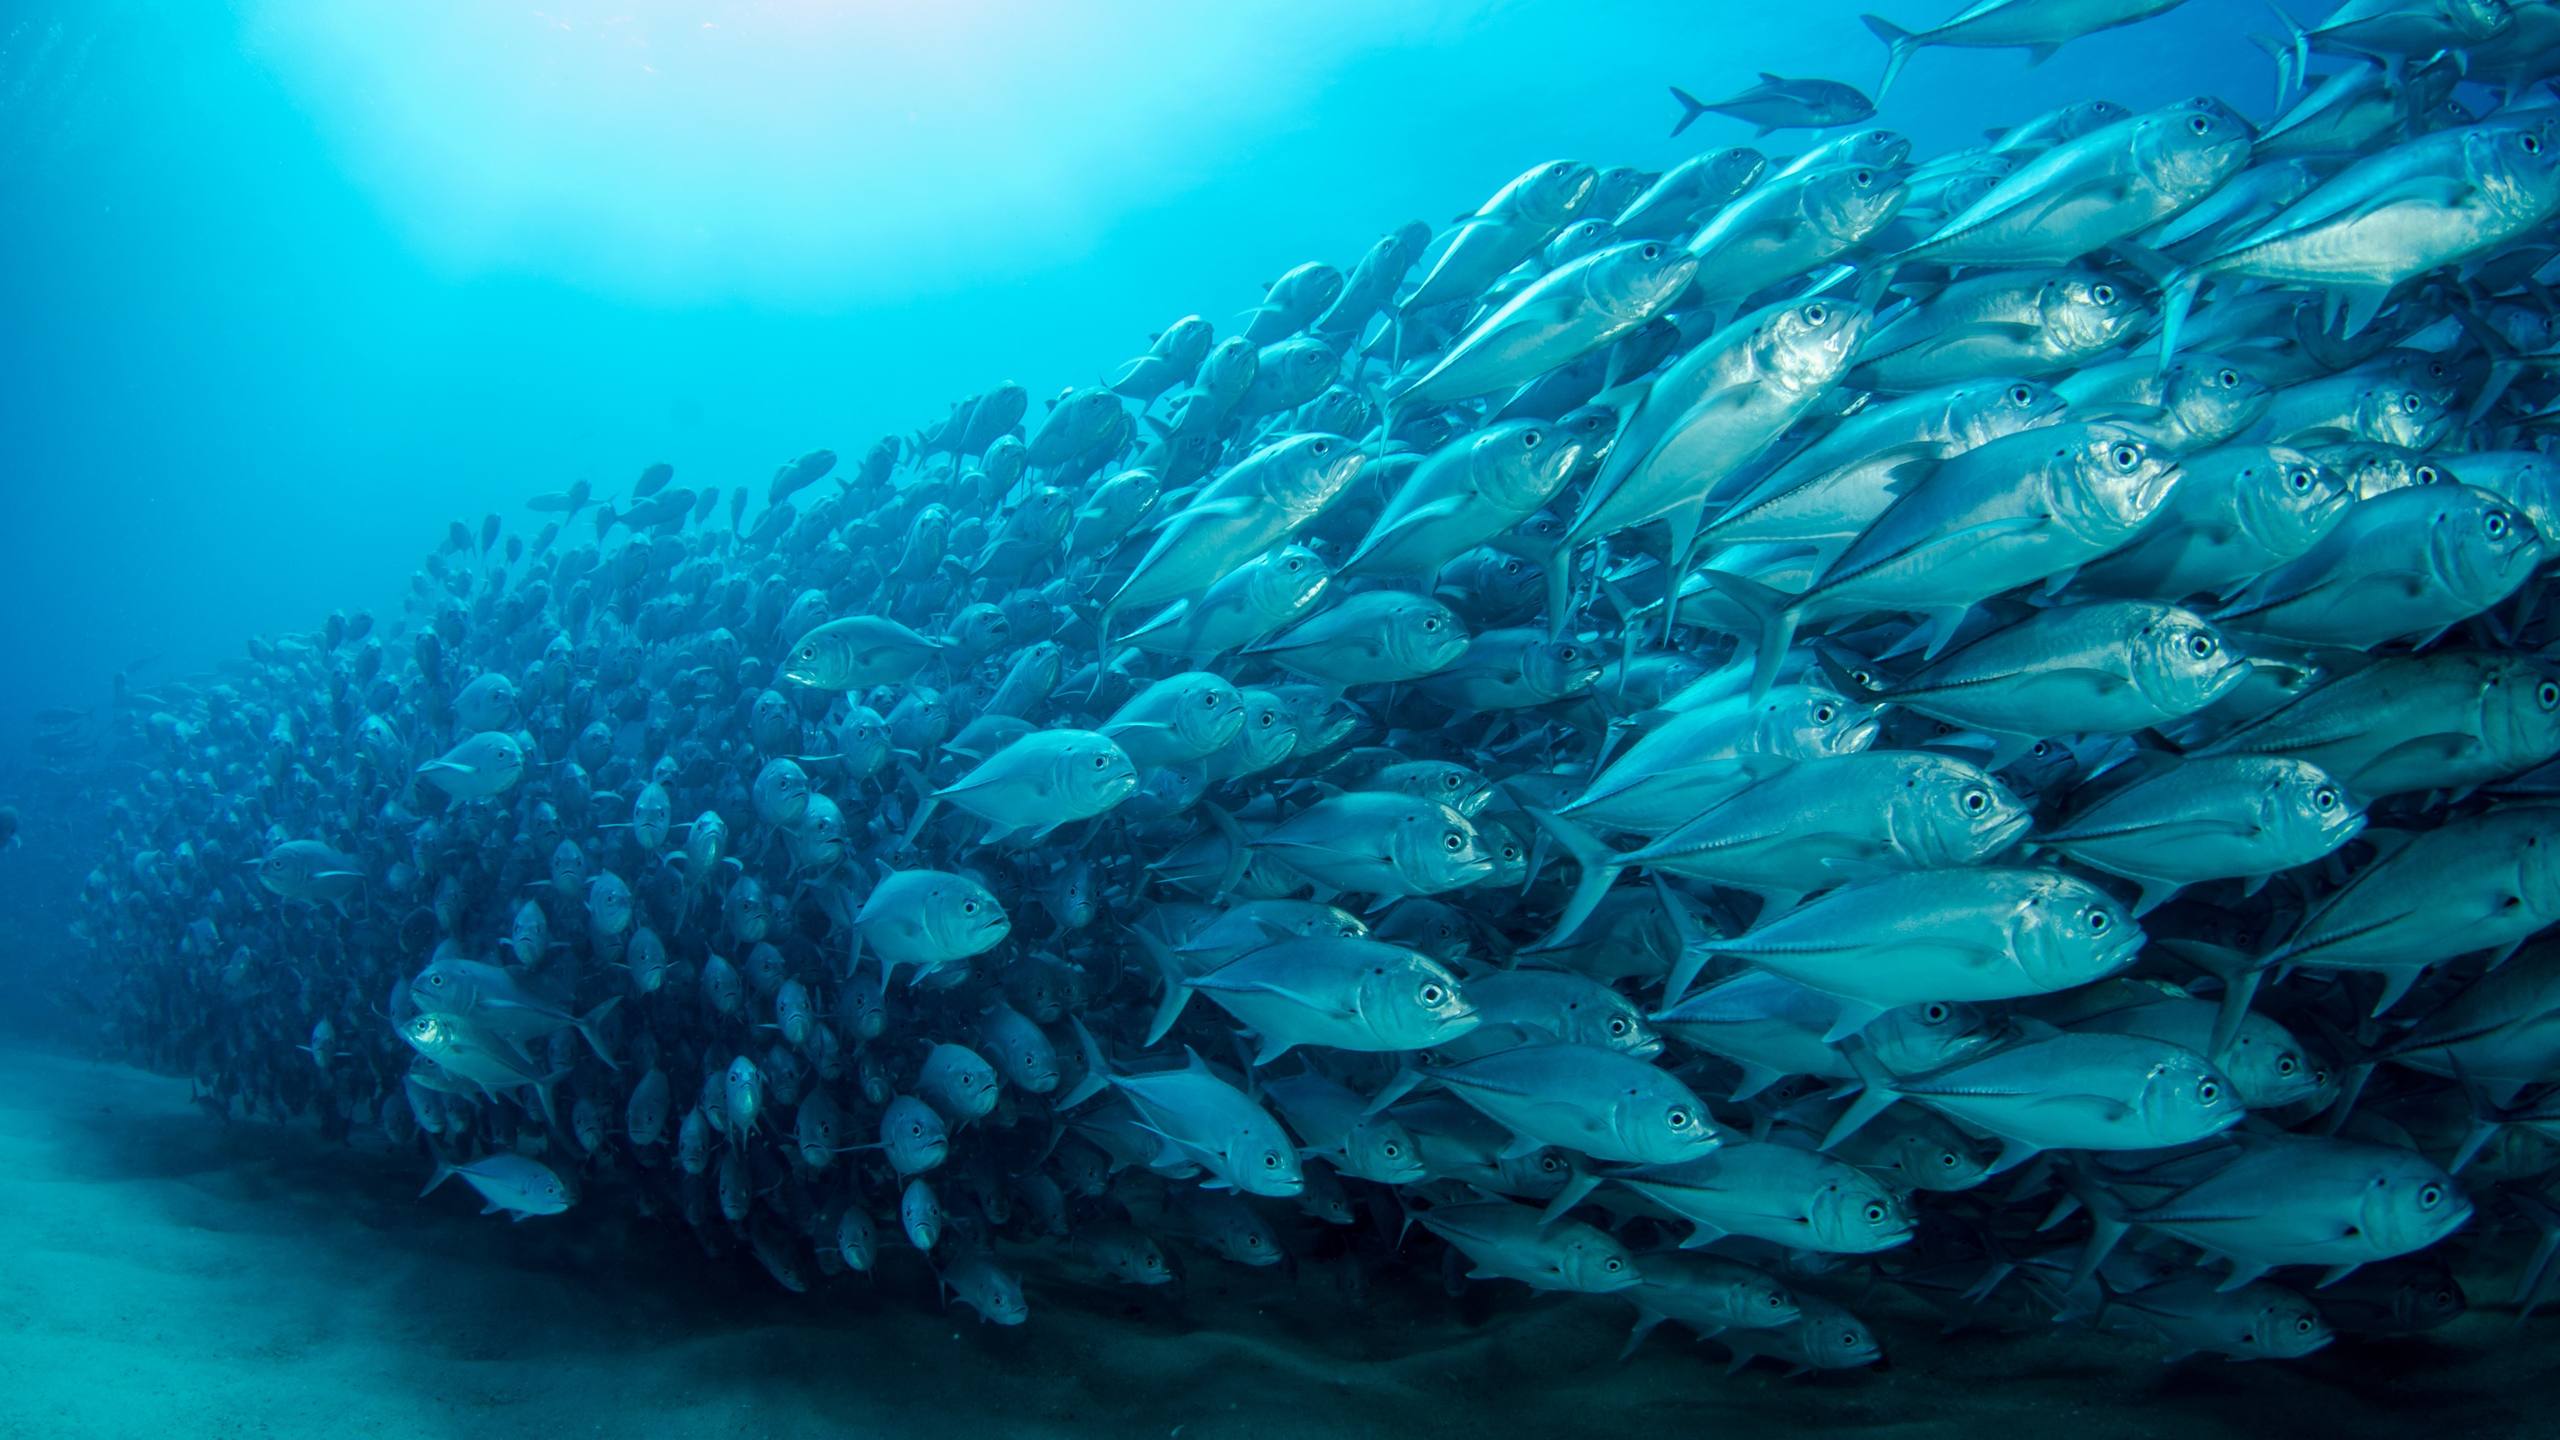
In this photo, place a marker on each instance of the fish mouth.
(2005, 833)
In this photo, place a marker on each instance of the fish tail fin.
(1691, 107)
(1693, 948)
(444, 1172)
(587, 1024)
(1775, 610)
(1898, 45)
(2292, 54)
(1871, 1101)
(1559, 590)
(1176, 994)
(1097, 1070)
(2177, 298)
(1600, 867)
(926, 800)
(1239, 849)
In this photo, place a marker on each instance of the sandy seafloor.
(166, 1276)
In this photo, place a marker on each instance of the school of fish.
(1825, 735)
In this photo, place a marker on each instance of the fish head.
(1811, 722)
(1520, 465)
(2069, 933)
(2191, 148)
(2479, 547)
(1550, 196)
(1422, 634)
(1415, 1000)
(1261, 1161)
(2214, 399)
(1383, 1150)
(1853, 1214)
(1988, 410)
(1436, 849)
(1876, 146)
(913, 1135)
(2282, 1324)
(821, 660)
(1834, 1339)
(2180, 660)
(1270, 731)
(1956, 813)
(2519, 711)
(2406, 413)
(1594, 1263)
(2185, 1097)
(1910, 1039)
(2107, 481)
(1851, 202)
(1807, 345)
(2286, 500)
(2083, 312)
(2474, 21)
(1504, 850)
(1638, 279)
(1581, 239)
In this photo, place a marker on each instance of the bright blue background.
(290, 283)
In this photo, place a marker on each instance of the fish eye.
(1322, 447)
(2495, 524)
(1210, 699)
(1432, 994)
(2548, 693)
(915, 1129)
(1679, 1119)
(1975, 802)
(2324, 798)
(1269, 720)
(1431, 624)
(2199, 125)
(2103, 293)
(808, 652)
(1454, 841)
(2208, 1092)
(2426, 475)
(1531, 440)
(1270, 1159)
(2285, 1065)
(1822, 714)
(2126, 457)
(2530, 144)
(1816, 314)
(1391, 1150)
(1556, 169)
(2202, 645)
(1618, 1025)
(1875, 1213)
(1295, 564)
(2302, 1325)
(2229, 378)
(1613, 1264)
(1864, 177)
(2097, 921)
(1849, 1338)
(1936, 1013)
(1948, 1160)
(2020, 394)
(968, 907)
(2409, 403)
(1652, 252)
(2300, 480)
(2430, 1196)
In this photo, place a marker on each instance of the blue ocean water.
(294, 285)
